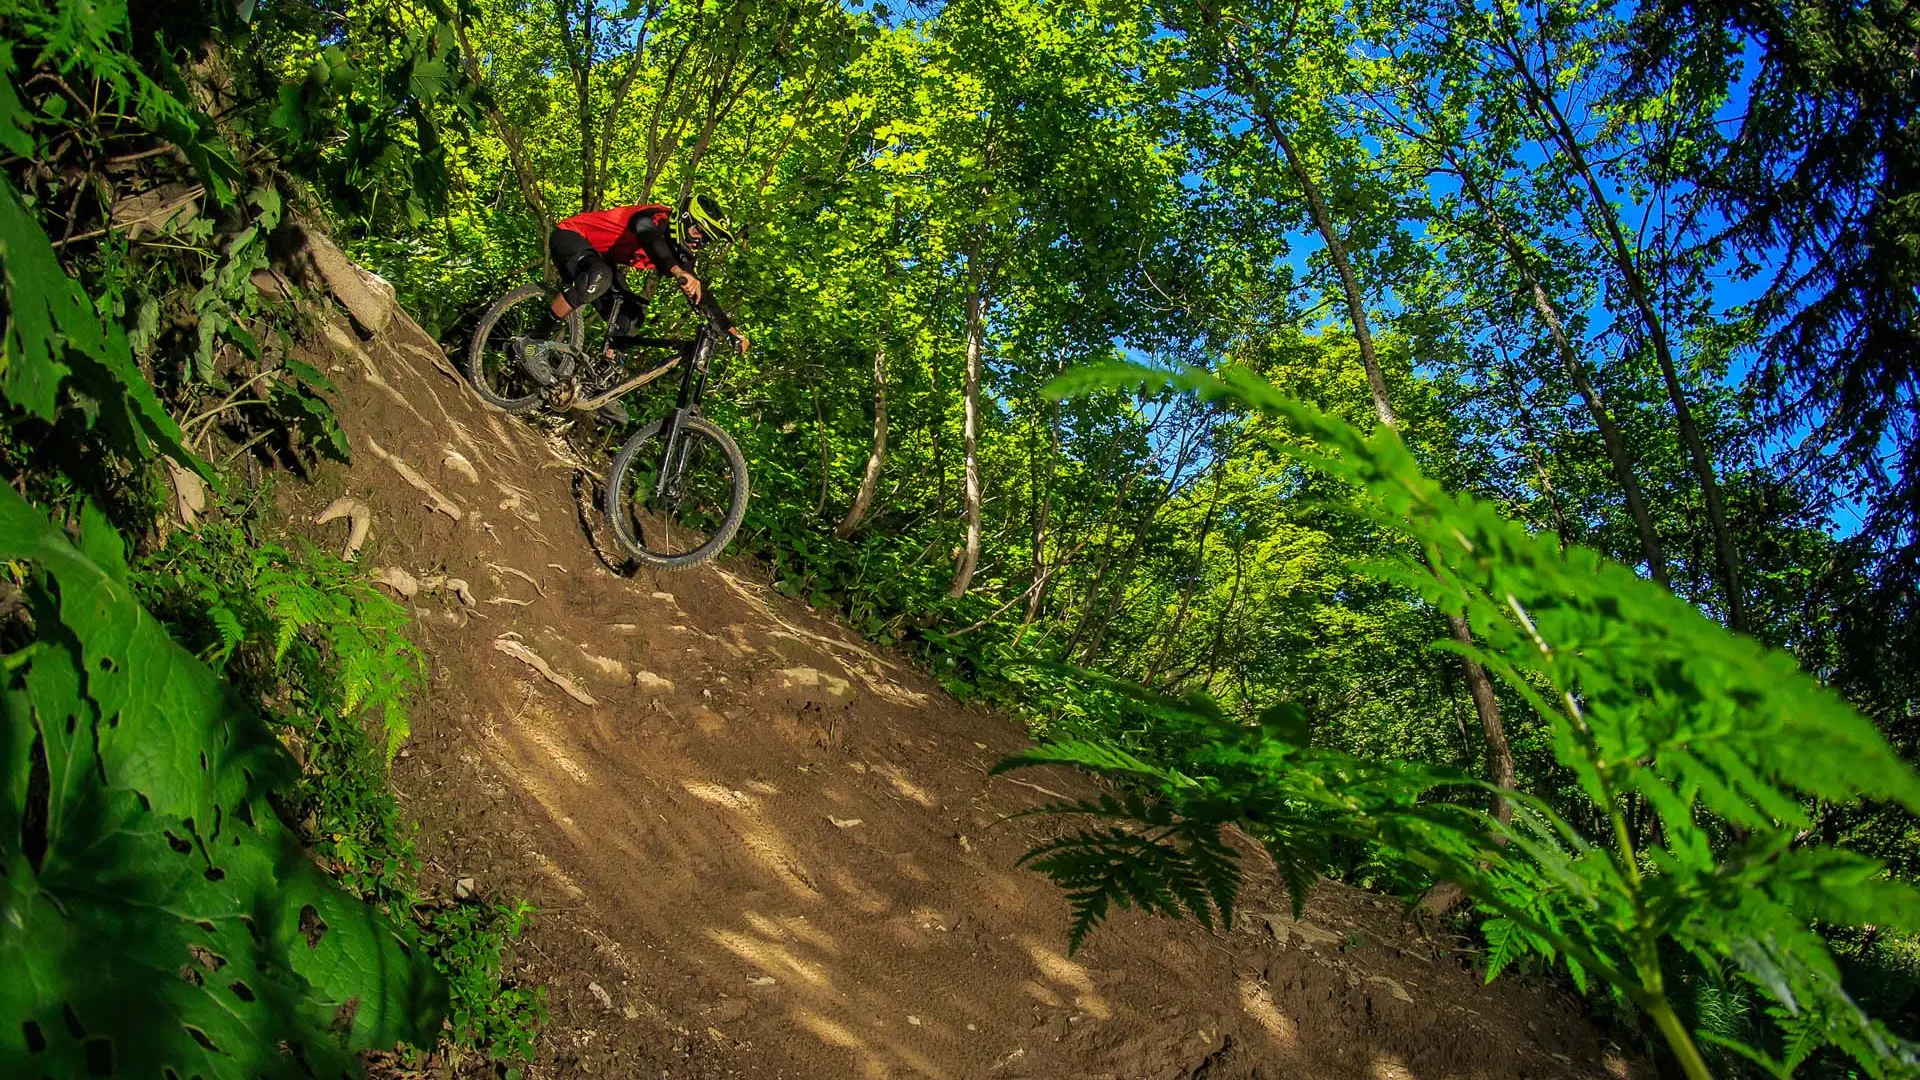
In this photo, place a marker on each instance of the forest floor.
(761, 847)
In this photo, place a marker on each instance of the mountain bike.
(677, 490)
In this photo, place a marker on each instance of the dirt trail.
(767, 849)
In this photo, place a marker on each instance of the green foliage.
(1727, 744)
(55, 337)
(1168, 866)
(1087, 176)
(306, 634)
(321, 629)
(160, 913)
(179, 307)
(489, 1013)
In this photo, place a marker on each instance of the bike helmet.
(704, 211)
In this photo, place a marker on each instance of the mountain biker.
(648, 236)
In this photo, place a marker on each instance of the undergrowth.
(183, 730)
(326, 659)
(1705, 913)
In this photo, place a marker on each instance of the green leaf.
(1506, 942)
(15, 133)
(1288, 723)
(429, 78)
(54, 335)
(170, 923)
(45, 310)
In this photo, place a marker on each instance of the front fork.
(673, 459)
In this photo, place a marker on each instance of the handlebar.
(620, 282)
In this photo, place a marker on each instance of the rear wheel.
(695, 516)
(521, 316)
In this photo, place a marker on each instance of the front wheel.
(520, 319)
(693, 515)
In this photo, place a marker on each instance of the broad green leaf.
(172, 916)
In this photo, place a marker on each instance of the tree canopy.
(1636, 282)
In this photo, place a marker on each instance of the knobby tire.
(645, 448)
(477, 348)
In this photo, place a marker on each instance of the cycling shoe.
(532, 358)
(613, 412)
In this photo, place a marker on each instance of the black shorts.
(585, 271)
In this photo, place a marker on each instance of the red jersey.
(611, 232)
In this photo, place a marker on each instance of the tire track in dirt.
(773, 850)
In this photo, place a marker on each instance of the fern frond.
(227, 625)
(1096, 757)
(1506, 942)
(1178, 872)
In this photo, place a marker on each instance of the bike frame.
(696, 360)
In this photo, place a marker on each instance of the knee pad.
(591, 280)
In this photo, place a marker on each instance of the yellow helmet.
(703, 210)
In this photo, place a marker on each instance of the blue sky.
(1727, 291)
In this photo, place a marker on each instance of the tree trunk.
(779, 154)
(1094, 619)
(579, 48)
(1193, 581)
(1220, 624)
(1040, 515)
(1103, 613)
(658, 147)
(1616, 445)
(826, 460)
(1323, 221)
(970, 430)
(1606, 223)
(1618, 456)
(1560, 528)
(510, 135)
(870, 480)
(1499, 754)
(610, 121)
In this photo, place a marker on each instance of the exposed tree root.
(534, 660)
(434, 499)
(398, 580)
(360, 521)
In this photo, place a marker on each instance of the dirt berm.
(762, 847)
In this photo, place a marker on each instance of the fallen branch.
(157, 208)
(536, 662)
(434, 499)
(1048, 792)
